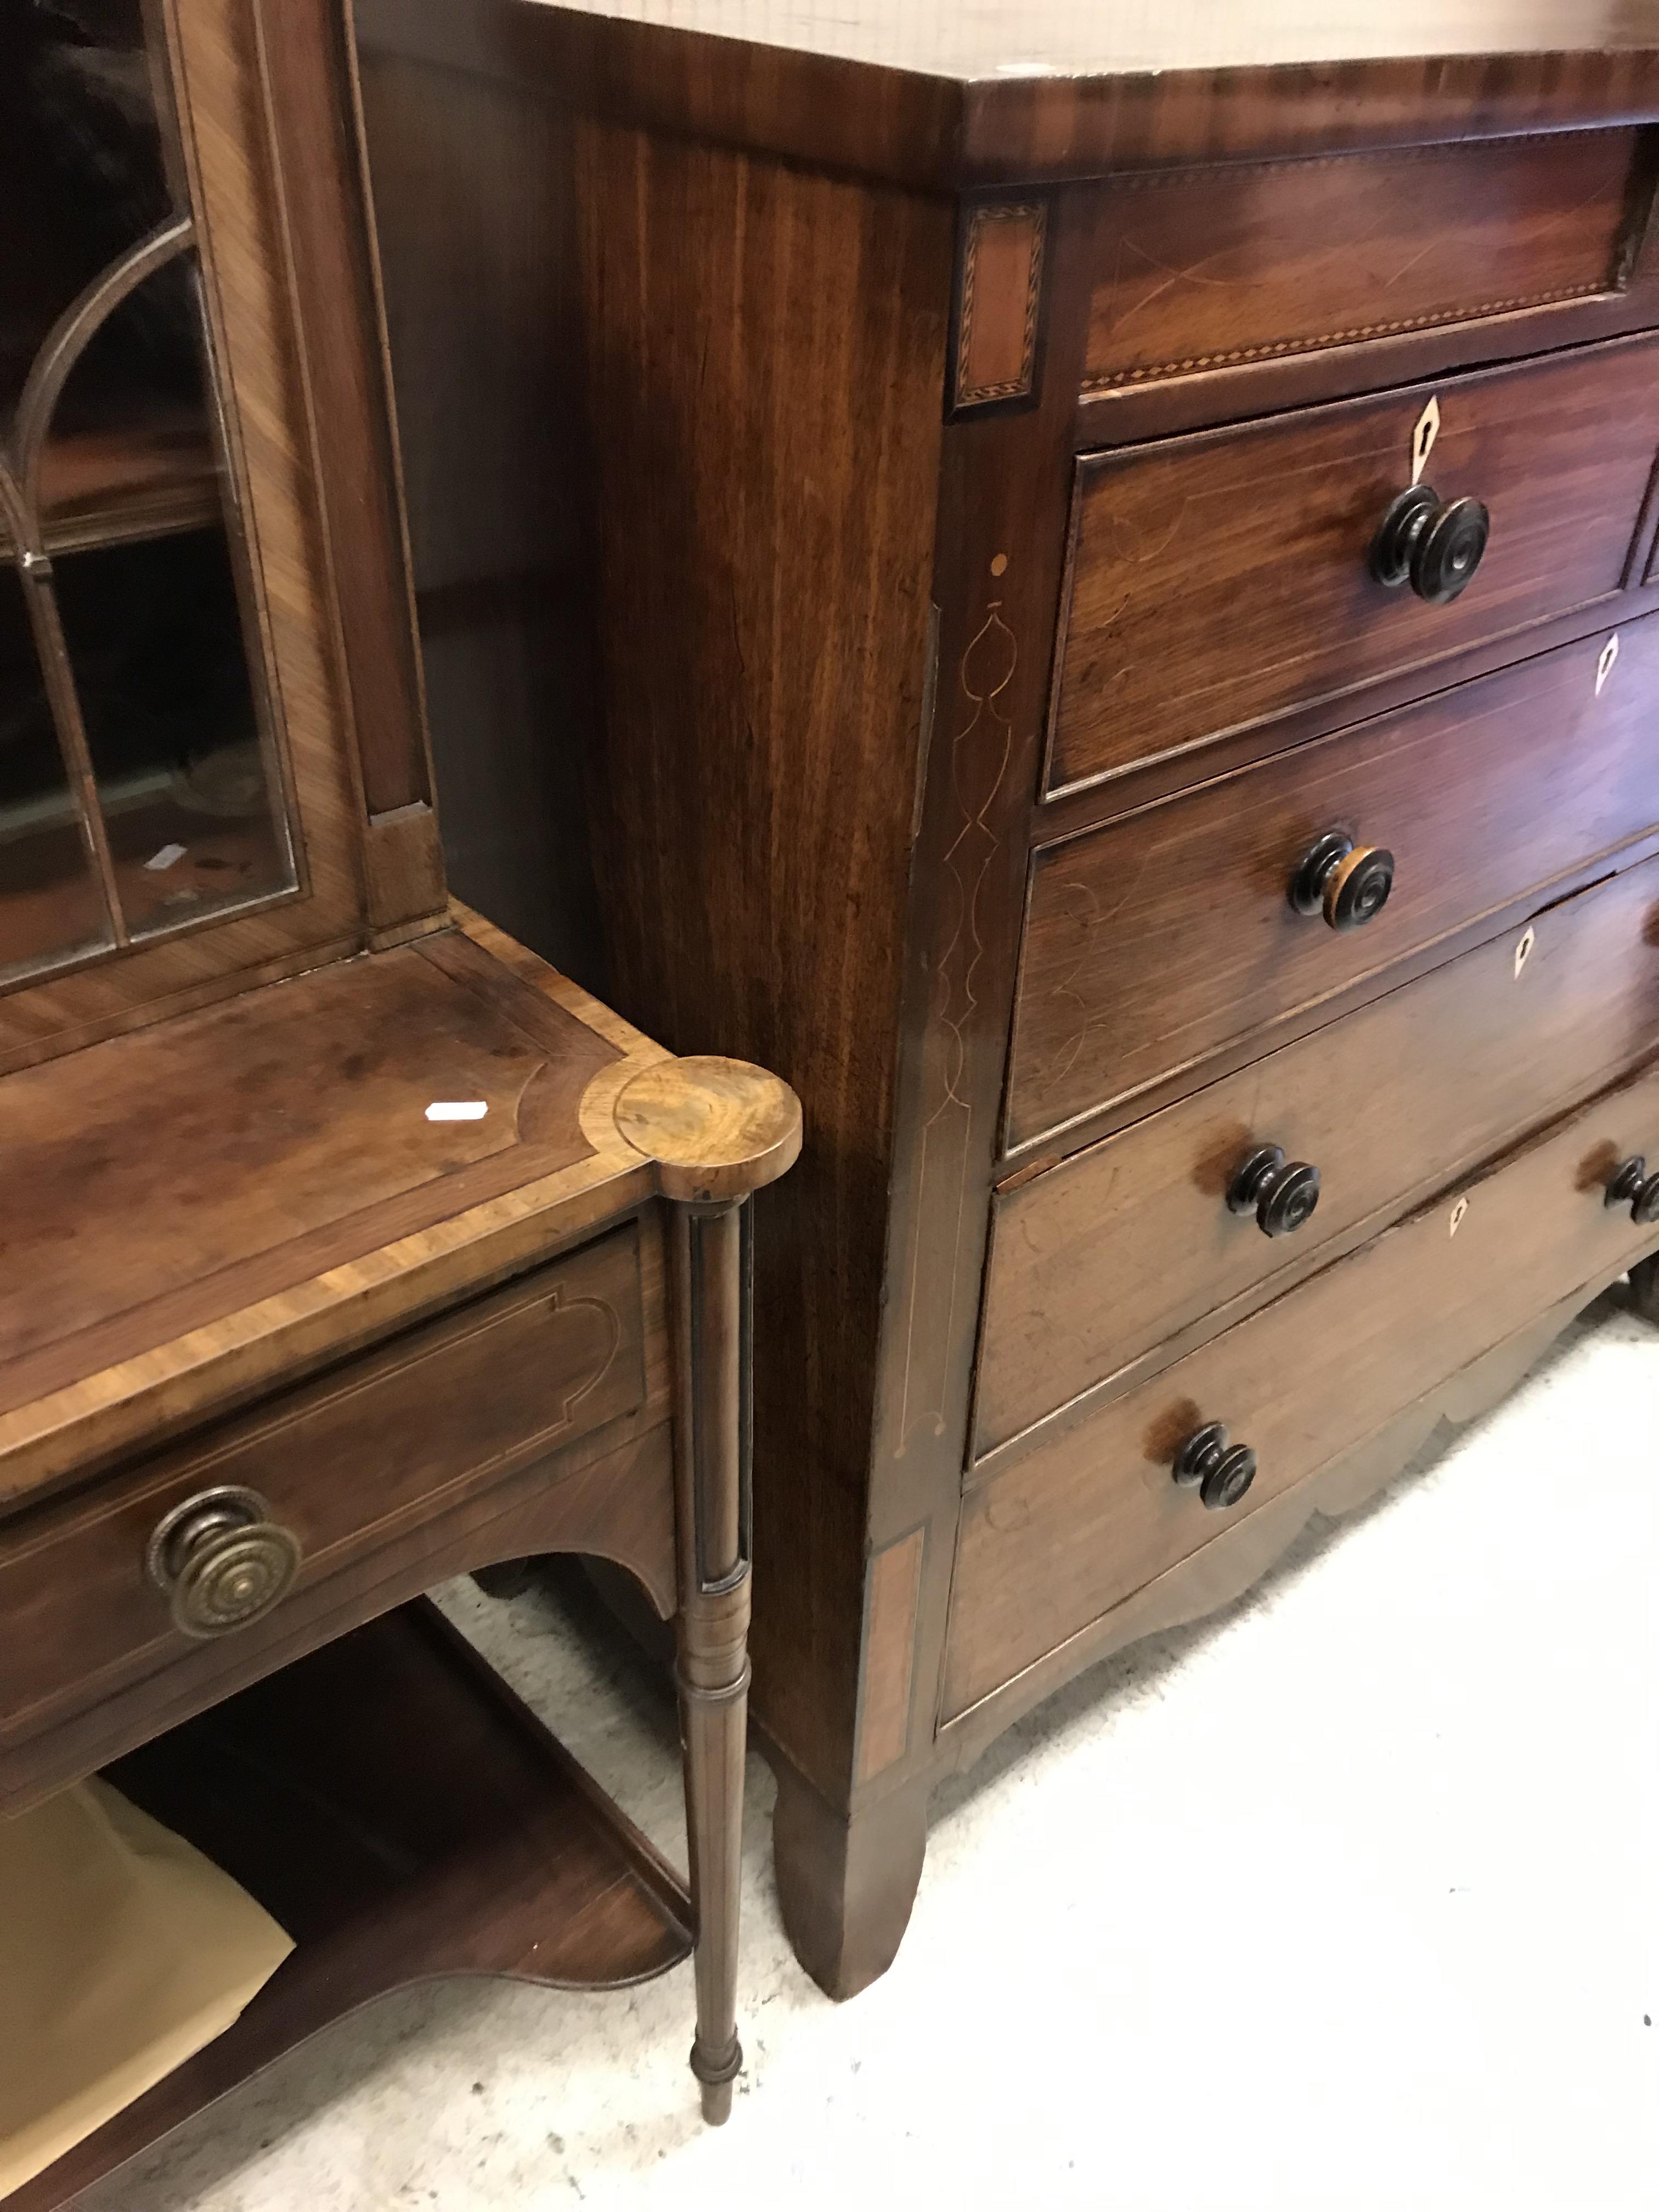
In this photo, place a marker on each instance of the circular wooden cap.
(717, 1128)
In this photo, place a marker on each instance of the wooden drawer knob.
(1281, 1194)
(1348, 884)
(1222, 1472)
(1435, 545)
(220, 1561)
(1632, 1186)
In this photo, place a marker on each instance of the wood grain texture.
(999, 302)
(314, 107)
(445, 1234)
(1128, 1245)
(846, 1882)
(997, 562)
(614, 1503)
(504, 583)
(328, 1792)
(345, 1465)
(1091, 1513)
(946, 97)
(1118, 415)
(717, 1128)
(1160, 938)
(264, 1244)
(1222, 579)
(292, 1136)
(710, 1276)
(890, 1638)
(765, 372)
(1198, 268)
(1249, 1544)
(842, 865)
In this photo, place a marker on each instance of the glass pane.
(129, 452)
(49, 907)
(132, 513)
(154, 638)
(81, 174)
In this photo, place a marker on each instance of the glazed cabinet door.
(179, 788)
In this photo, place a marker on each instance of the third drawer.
(1158, 940)
(1121, 1247)
(1090, 1511)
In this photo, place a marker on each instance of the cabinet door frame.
(265, 137)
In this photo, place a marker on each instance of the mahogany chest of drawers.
(1120, 562)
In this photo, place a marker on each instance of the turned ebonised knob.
(1632, 1186)
(1222, 1472)
(1433, 545)
(1348, 884)
(220, 1561)
(1281, 1194)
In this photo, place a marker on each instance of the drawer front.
(354, 1460)
(1219, 580)
(1090, 1514)
(1200, 269)
(1158, 939)
(1116, 1249)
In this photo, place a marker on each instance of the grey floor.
(1347, 1898)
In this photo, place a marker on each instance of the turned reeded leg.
(717, 1130)
(711, 1301)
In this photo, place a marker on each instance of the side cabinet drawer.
(1115, 1250)
(1088, 1515)
(1158, 939)
(1221, 580)
(345, 1463)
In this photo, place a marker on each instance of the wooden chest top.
(992, 91)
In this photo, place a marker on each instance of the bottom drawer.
(1093, 1511)
(344, 1465)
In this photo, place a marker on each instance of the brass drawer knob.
(1281, 1194)
(1433, 545)
(1348, 884)
(1632, 1186)
(220, 1561)
(1220, 1471)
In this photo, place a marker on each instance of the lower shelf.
(402, 1815)
(146, 479)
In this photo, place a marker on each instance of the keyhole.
(1523, 952)
(1459, 1215)
(1604, 667)
(1423, 438)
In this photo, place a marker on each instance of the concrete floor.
(1347, 1898)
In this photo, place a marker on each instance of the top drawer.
(1219, 581)
(1203, 268)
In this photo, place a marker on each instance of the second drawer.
(1093, 1511)
(1221, 580)
(1101, 1258)
(1158, 941)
